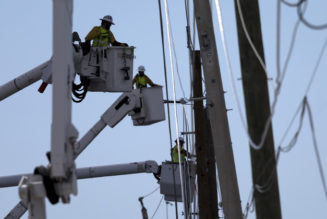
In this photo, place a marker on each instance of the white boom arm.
(24, 80)
(126, 103)
(148, 166)
(82, 173)
(18, 211)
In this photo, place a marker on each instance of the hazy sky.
(26, 41)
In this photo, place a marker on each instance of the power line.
(316, 66)
(300, 13)
(314, 139)
(151, 192)
(292, 4)
(277, 89)
(167, 96)
(306, 90)
(250, 40)
(249, 204)
(303, 105)
(157, 207)
(267, 185)
(174, 96)
(292, 143)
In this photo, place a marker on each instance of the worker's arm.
(95, 32)
(114, 42)
(86, 46)
(148, 81)
(186, 153)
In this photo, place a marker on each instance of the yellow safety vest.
(141, 82)
(175, 155)
(103, 39)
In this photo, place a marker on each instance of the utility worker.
(183, 153)
(101, 35)
(141, 80)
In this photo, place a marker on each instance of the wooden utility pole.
(256, 97)
(217, 112)
(206, 170)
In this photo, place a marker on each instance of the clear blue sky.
(26, 41)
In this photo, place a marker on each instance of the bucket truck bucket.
(109, 69)
(168, 186)
(152, 106)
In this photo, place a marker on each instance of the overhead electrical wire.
(229, 67)
(301, 106)
(167, 96)
(300, 13)
(322, 51)
(176, 62)
(266, 186)
(174, 96)
(279, 82)
(185, 117)
(291, 144)
(292, 4)
(186, 127)
(315, 144)
(280, 77)
(262, 63)
(249, 204)
(190, 138)
(305, 105)
(151, 192)
(190, 46)
(296, 27)
(165, 71)
(157, 207)
(285, 149)
(305, 21)
(184, 110)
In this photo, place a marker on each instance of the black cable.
(79, 90)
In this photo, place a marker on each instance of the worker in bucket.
(101, 35)
(183, 153)
(141, 80)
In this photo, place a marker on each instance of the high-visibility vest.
(103, 39)
(141, 81)
(175, 155)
